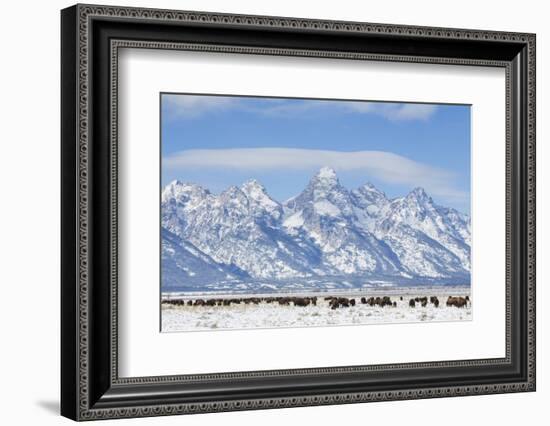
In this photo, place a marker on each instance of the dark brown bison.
(301, 301)
(386, 301)
(412, 303)
(334, 303)
(459, 302)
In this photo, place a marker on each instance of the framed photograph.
(263, 212)
(267, 220)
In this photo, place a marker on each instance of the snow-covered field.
(272, 315)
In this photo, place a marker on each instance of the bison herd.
(334, 302)
(296, 301)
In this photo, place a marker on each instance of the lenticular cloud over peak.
(384, 166)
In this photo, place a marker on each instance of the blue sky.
(218, 141)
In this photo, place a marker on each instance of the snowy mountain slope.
(370, 204)
(239, 227)
(418, 211)
(324, 231)
(328, 216)
(182, 262)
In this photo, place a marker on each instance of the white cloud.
(384, 166)
(192, 106)
(395, 111)
(290, 108)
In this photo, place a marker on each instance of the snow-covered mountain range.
(326, 234)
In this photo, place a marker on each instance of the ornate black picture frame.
(91, 387)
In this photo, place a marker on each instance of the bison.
(301, 301)
(334, 303)
(459, 302)
(386, 301)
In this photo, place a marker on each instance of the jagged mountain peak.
(327, 173)
(183, 191)
(176, 183)
(417, 205)
(370, 193)
(232, 191)
(326, 177)
(251, 184)
(257, 194)
(420, 194)
(323, 196)
(325, 184)
(367, 186)
(255, 190)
